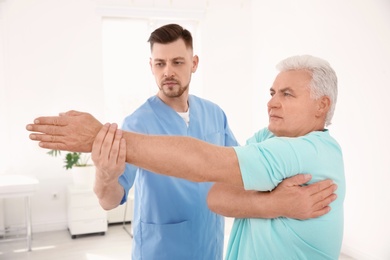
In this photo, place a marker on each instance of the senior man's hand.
(71, 131)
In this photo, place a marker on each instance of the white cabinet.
(124, 212)
(117, 215)
(85, 215)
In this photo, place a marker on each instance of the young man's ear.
(195, 62)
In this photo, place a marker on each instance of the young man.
(171, 216)
(177, 156)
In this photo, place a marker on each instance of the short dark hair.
(170, 33)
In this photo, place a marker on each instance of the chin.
(274, 130)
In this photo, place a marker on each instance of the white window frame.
(155, 17)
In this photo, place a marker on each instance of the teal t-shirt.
(264, 162)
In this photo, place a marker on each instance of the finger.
(321, 212)
(122, 151)
(108, 141)
(53, 146)
(97, 144)
(116, 146)
(325, 202)
(50, 120)
(45, 129)
(321, 196)
(319, 186)
(47, 138)
(72, 113)
(296, 180)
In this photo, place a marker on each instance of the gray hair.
(324, 79)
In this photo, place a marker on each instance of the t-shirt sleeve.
(260, 136)
(264, 165)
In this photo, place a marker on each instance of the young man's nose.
(168, 72)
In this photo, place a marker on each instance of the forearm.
(234, 201)
(109, 193)
(290, 199)
(183, 157)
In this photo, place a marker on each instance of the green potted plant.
(83, 172)
(72, 159)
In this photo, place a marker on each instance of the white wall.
(3, 130)
(52, 62)
(227, 62)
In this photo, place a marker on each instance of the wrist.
(272, 207)
(103, 185)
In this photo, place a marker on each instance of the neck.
(179, 104)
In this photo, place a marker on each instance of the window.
(127, 77)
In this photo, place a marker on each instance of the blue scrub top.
(171, 216)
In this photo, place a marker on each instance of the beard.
(172, 91)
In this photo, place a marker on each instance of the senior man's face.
(292, 112)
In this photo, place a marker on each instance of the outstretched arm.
(176, 156)
(182, 157)
(288, 199)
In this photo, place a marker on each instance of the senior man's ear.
(323, 106)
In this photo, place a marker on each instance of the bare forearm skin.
(233, 201)
(289, 199)
(109, 194)
(183, 157)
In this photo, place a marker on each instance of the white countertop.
(13, 185)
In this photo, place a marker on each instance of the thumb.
(298, 179)
(70, 113)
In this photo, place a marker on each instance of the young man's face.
(292, 112)
(172, 65)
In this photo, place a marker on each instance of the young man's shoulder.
(202, 101)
